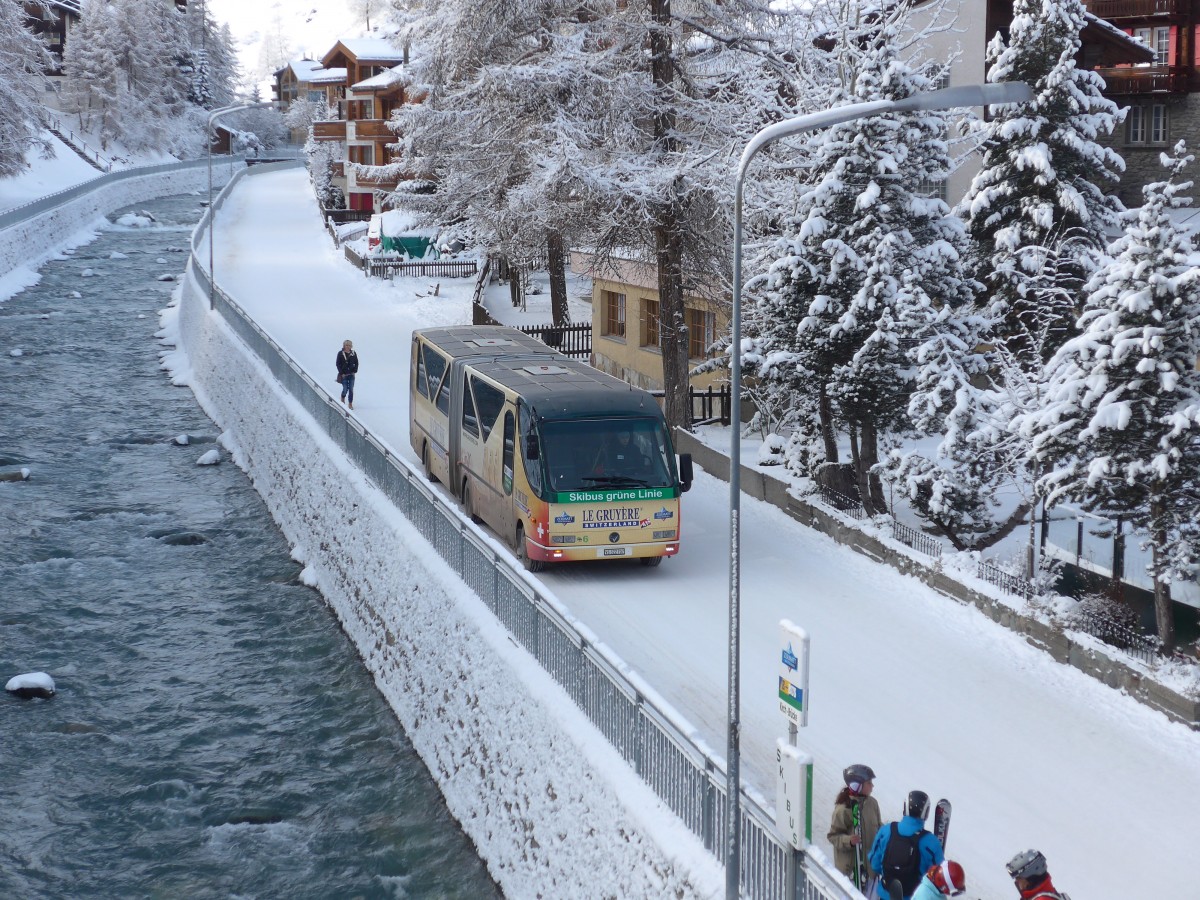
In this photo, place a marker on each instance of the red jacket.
(1044, 888)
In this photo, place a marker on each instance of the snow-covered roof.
(304, 69)
(1138, 48)
(327, 76)
(384, 79)
(372, 49)
(69, 5)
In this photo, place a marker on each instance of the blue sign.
(664, 513)
(564, 519)
(789, 658)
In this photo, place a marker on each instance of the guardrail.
(52, 201)
(688, 778)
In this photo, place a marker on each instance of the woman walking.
(347, 366)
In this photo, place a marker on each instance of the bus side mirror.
(531, 447)
(685, 471)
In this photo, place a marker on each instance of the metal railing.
(52, 201)
(918, 540)
(571, 340)
(1005, 580)
(1116, 634)
(687, 776)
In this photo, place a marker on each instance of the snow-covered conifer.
(865, 272)
(1120, 424)
(1045, 182)
(616, 120)
(23, 59)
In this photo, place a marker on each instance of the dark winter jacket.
(929, 846)
(347, 365)
(842, 827)
(1043, 889)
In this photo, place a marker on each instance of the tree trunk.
(668, 233)
(514, 285)
(828, 434)
(556, 257)
(868, 456)
(1163, 616)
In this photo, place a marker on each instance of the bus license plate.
(614, 551)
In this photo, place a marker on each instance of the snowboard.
(941, 821)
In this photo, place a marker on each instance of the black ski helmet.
(1027, 864)
(856, 776)
(917, 804)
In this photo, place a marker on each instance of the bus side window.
(470, 421)
(533, 467)
(489, 401)
(422, 375)
(510, 434)
(439, 379)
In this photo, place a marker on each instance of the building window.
(1158, 124)
(316, 96)
(1162, 46)
(614, 314)
(1135, 126)
(702, 328)
(363, 154)
(649, 322)
(1145, 35)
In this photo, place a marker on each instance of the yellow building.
(625, 323)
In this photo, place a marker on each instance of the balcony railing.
(329, 131)
(372, 177)
(372, 129)
(1145, 79)
(1136, 9)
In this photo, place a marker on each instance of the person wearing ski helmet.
(1029, 874)
(851, 844)
(913, 850)
(946, 880)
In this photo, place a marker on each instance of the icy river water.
(214, 733)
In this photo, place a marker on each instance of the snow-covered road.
(929, 693)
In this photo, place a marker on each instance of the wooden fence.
(572, 340)
(451, 268)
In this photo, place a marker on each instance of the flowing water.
(214, 733)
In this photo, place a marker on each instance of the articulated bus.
(561, 460)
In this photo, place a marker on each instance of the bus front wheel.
(532, 565)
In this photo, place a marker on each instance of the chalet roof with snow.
(327, 76)
(364, 50)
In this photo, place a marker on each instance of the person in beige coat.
(856, 819)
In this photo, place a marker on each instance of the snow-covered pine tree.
(90, 64)
(485, 138)
(1120, 425)
(870, 262)
(1044, 182)
(633, 114)
(22, 63)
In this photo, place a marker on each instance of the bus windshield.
(587, 454)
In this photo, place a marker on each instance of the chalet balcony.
(1138, 80)
(338, 169)
(329, 131)
(373, 177)
(1137, 9)
(372, 130)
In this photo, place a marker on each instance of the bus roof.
(565, 388)
(554, 385)
(467, 341)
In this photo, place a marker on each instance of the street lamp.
(208, 134)
(947, 98)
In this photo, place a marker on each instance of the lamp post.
(947, 98)
(212, 220)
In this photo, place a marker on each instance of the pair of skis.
(941, 830)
